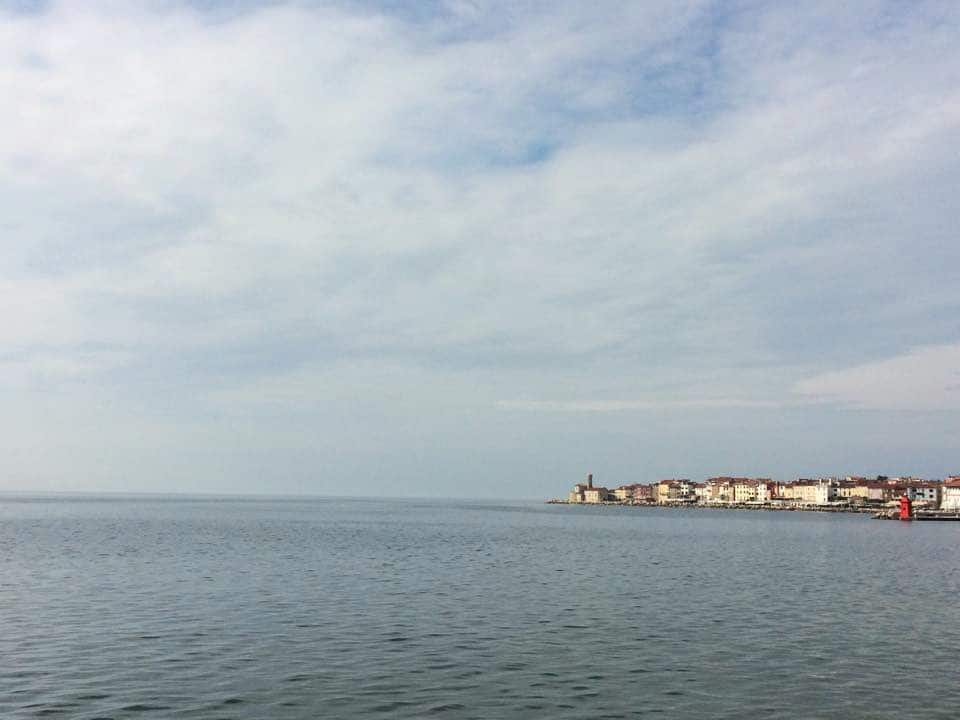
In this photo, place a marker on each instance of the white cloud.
(922, 379)
(637, 207)
(344, 163)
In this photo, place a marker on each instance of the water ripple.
(247, 609)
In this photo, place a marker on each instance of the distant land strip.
(847, 494)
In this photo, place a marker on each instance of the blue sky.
(476, 249)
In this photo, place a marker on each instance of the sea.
(259, 608)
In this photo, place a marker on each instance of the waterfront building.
(928, 492)
(701, 493)
(673, 491)
(663, 491)
(793, 491)
(642, 493)
(766, 491)
(950, 499)
(579, 492)
(884, 489)
(812, 492)
(576, 495)
(596, 495)
(826, 491)
(879, 491)
(851, 488)
(637, 492)
(744, 490)
(720, 489)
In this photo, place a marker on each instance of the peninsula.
(851, 493)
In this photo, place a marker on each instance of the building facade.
(927, 492)
(950, 499)
(812, 492)
(596, 495)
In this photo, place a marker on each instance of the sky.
(476, 249)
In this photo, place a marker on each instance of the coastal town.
(855, 494)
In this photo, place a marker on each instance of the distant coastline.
(878, 495)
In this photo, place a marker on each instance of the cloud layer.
(927, 378)
(255, 247)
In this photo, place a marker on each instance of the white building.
(827, 490)
(950, 500)
(765, 491)
(701, 492)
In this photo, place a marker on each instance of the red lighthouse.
(906, 508)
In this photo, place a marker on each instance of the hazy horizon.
(475, 250)
(560, 494)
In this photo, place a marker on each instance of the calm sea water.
(122, 607)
